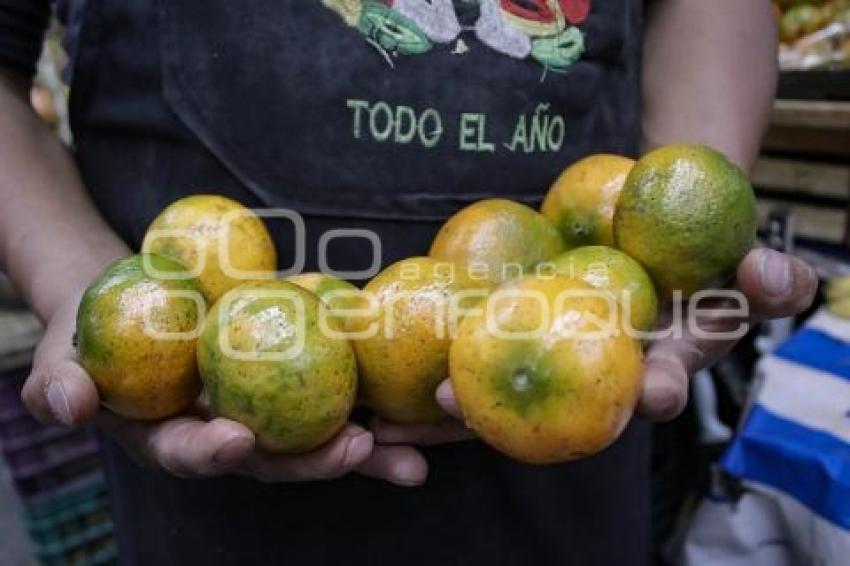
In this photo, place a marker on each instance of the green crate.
(100, 552)
(75, 543)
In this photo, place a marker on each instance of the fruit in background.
(266, 363)
(193, 231)
(497, 238)
(611, 270)
(334, 292)
(688, 215)
(541, 379)
(777, 12)
(406, 358)
(582, 200)
(837, 295)
(136, 337)
(799, 21)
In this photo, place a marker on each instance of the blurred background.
(54, 507)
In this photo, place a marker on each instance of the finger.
(185, 446)
(400, 465)
(446, 399)
(665, 385)
(449, 430)
(776, 284)
(58, 388)
(60, 392)
(350, 448)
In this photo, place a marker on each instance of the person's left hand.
(776, 285)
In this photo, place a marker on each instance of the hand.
(450, 430)
(59, 390)
(776, 285)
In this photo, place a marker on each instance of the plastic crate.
(66, 493)
(36, 458)
(82, 508)
(57, 474)
(99, 550)
(24, 431)
(38, 480)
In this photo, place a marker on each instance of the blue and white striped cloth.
(796, 437)
(793, 455)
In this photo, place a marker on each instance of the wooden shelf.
(810, 127)
(815, 180)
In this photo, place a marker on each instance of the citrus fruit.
(227, 242)
(136, 337)
(582, 200)
(497, 239)
(406, 356)
(266, 363)
(777, 12)
(334, 292)
(800, 20)
(543, 373)
(611, 270)
(688, 215)
(837, 295)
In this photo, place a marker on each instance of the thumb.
(776, 284)
(58, 389)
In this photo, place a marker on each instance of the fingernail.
(57, 400)
(775, 273)
(358, 449)
(231, 452)
(408, 473)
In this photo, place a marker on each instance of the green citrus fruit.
(334, 292)
(268, 361)
(136, 337)
(611, 270)
(688, 215)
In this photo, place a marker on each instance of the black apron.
(383, 115)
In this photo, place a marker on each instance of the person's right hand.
(189, 446)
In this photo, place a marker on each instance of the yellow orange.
(218, 236)
(541, 375)
(406, 357)
(497, 239)
(136, 337)
(581, 202)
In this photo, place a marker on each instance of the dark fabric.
(258, 101)
(22, 26)
(477, 508)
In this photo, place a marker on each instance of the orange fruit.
(538, 378)
(406, 358)
(226, 242)
(688, 215)
(266, 363)
(581, 202)
(613, 271)
(338, 294)
(497, 239)
(136, 337)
